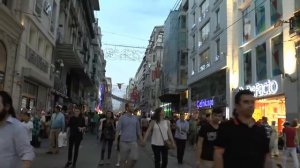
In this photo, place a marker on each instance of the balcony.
(70, 55)
(243, 4)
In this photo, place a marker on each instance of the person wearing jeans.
(182, 128)
(108, 134)
(77, 127)
(161, 132)
(290, 146)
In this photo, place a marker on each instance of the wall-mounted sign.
(205, 103)
(268, 88)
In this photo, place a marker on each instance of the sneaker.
(118, 165)
(68, 164)
(101, 162)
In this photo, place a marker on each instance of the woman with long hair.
(107, 137)
(161, 132)
(77, 127)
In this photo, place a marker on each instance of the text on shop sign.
(204, 103)
(267, 88)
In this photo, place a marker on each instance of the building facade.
(11, 29)
(33, 68)
(210, 55)
(266, 57)
(175, 56)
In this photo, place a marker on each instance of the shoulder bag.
(167, 143)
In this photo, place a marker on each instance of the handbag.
(167, 143)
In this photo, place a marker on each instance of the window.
(218, 19)
(277, 55)
(183, 22)
(183, 60)
(193, 66)
(204, 60)
(260, 21)
(41, 45)
(194, 42)
(48, 51)
(247, 68)
(204, 7)
(39, 7)
(217, 57)
(204, 33)
(32, 37)
(194, 20)
(183, 77)
(261, 62)
(297, 5)
(246, 25)
(276, 10)
(53, 17)
(154, 58)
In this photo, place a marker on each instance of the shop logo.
(205, 103)
(267, 88)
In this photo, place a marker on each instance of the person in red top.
(290, 145)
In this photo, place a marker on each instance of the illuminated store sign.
(270, 87)
(205, 103)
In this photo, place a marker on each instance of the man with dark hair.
(207, 136)
(15, 148)
(241, 142)
(57, 125)
(129, 127)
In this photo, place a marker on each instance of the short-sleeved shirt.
(290, 134)
(14, 144)
(244, 146)
(209, 135)
(181, 133)
(130, 128)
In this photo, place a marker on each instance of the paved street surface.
(89, 154)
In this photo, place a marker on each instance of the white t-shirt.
(158, 137)
(29, 127)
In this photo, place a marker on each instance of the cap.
(58, 106)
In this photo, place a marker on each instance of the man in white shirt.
(27, 123)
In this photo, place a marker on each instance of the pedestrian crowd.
(218, 142)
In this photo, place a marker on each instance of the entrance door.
(3, 58)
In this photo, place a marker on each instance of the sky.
(130, 23)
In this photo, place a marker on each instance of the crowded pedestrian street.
(90, 155)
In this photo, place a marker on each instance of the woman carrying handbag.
(161, 139)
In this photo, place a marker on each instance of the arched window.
(3, 57)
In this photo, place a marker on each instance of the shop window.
(272, 108)
(260, 21)
(247, 68)
(261, 62)
(277, 55)
(246, 25)
(276, 10)
(204, 33)
(204, 61)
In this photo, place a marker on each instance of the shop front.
(270, 100)
(208, 93)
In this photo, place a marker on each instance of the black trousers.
(180, 149)
(108, 143)
(74, 142)
(160, 153)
